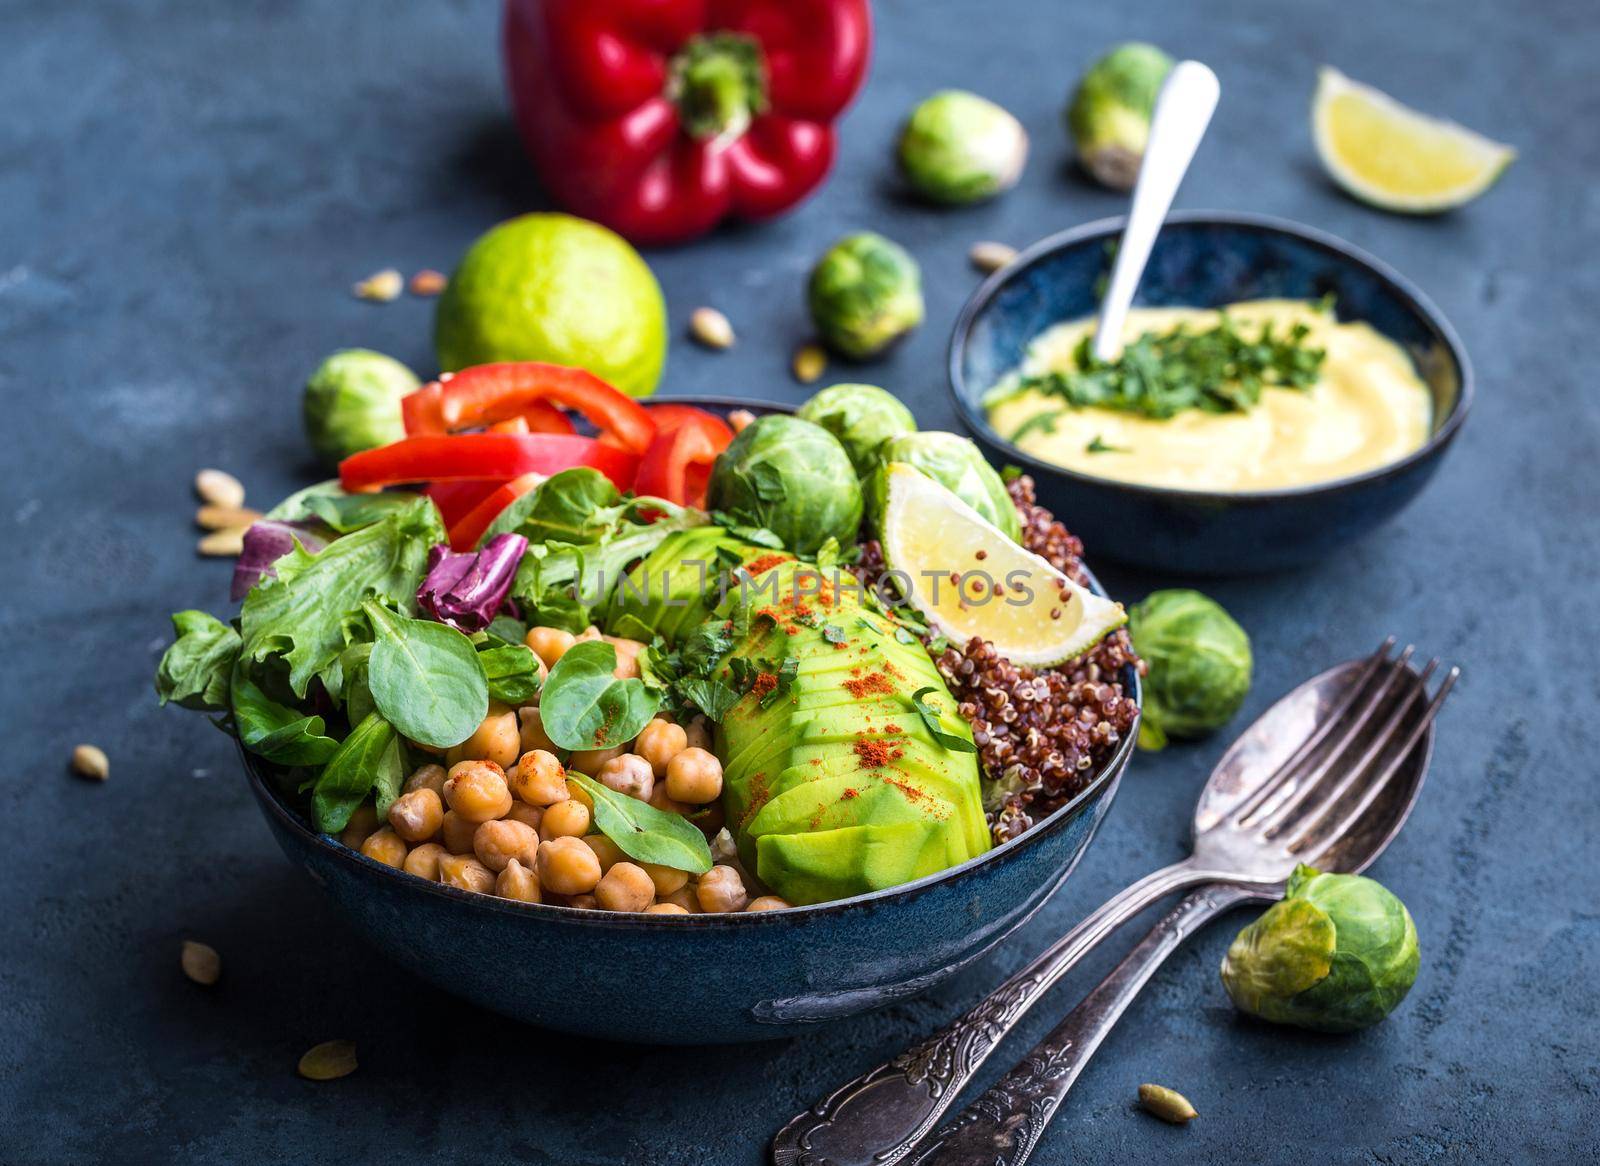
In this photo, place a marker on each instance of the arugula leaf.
(930, 719)
(643, 832)
(306, 614)
(427, 679)
(513, 672)
(194, 671)
(367, 761)
(584, 706)
(276, 732)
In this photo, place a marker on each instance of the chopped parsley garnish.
(1098, 445)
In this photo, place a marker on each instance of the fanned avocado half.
(836, 787)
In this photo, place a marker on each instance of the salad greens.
(645, 833)
(275, 731)
(512, 671)
(585, 706)
(195, 670)
(426, 678)
(369, 760)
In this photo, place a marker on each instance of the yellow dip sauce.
(1367, 408)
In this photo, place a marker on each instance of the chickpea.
(526, 814)
(423, 861)
(659, 799)
(497, 843)
(549, 644)
(578, 794)
(539, 778)
(477, 790)
(629, 774)
(769, 903)
(607, 851)
(659, 742)
(627, 656)
(567, 867)
(533, 734)
(417, 816)
(625, 887)
(385, 846)
(699, 733)
(568, 819)
(721, 890)
(360, 826)
(584, 901)
(518, 882)
(683, 897)
(694, 775)
(456, 833)
(665, 878)
(589, 633)
(426, 777)
(466, 872)
(665, 909)
(589, 761)
(497, 738)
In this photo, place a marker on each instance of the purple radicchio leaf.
(466, 589)
(267, 541)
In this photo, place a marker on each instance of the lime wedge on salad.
(950, 557)
(1395, 158)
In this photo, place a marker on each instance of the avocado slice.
(815, 866)
(673, 588)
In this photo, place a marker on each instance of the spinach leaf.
(274, 731)
(508, 630)
(357, 690)
(194, 671)
(584, 706)
(427, 679)
(513, 673)
(306, 614)
(930, 718)
(643, 832)
(368, 759)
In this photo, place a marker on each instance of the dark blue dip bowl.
(735, 977)
(1207, 260)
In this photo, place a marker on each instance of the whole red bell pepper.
(659, 118)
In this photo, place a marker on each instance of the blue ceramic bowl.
(1208, 259)
(735, 977)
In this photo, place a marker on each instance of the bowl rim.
(972, 415)
(1105, 784)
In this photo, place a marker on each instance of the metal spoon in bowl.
(1324, 765)
(1182, 113)
(1004, 1125)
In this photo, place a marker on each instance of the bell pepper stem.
(719, 84)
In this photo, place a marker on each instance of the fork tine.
(1307, 783)
(1377, 786)
(1353, 772)
(1281, 775)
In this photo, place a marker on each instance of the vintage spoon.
(1182, 113)
(1003, 1126)
(1285, 792)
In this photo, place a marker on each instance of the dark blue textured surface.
(187, 189)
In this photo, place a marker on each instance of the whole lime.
(560, 289)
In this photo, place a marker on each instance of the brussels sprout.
(1109, 117)
(865, 293)
(1338, 954)
(958, 147)
(862, 417)
(792, 478)
(956, 464)
(352, 403)
(1199, 661)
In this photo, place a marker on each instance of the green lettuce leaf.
(194, 671)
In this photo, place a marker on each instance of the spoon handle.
(1003, 1126)
(1183, 110)
(876, 1119)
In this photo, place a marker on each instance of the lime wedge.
(1396, 158)
(951, 559)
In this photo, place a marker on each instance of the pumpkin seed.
(381, 286)
(711, 328)
(329, 1061)
(201, 963)
(219, 488)
(428, 282)
(223, 543)
(222, 517)
(1167, 1104)
(809, 363)
(739, 419)
(990, 256)
(91, 761)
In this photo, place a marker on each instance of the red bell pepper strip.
(455, 499)
(500, 456)
(677, 466)
(489, 393)
(539, 417)
(670, 416)
(466, 531)
(659, 118)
